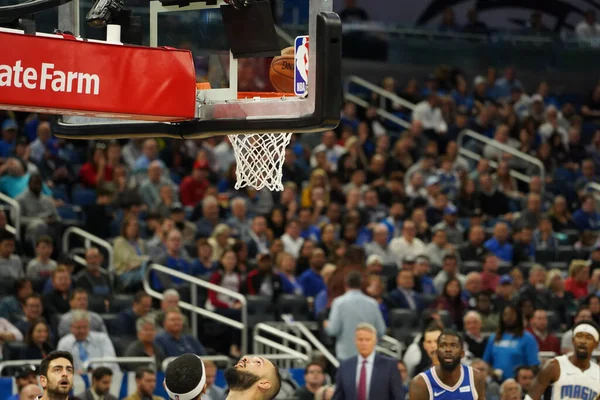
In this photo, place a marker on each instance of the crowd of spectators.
(432, 235)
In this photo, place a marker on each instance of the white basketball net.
(259, 158)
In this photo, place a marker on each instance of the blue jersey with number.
(463, 390)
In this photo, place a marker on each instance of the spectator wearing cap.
(408, 243)
(93, 278)
(449, 271)
(264, 281)
(499, 244)
(380, 247)
(11, 265)
(588, 28)
(78, 300)
(193, 187)
(24, 377)
(455, 232)
(505, 292)
(96, 171)
(187, 228)
(126, 319)
(130, 253)
(150, 187)
(438, 247)
(489, 276)
(38, 211)
(586, 218)
(84, 344)
(9, 136)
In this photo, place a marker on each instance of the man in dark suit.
(404, 295)
(356, 378)
(101, 381)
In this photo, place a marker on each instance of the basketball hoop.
(259, 156)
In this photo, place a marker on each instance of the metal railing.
(118, 360)
(88, 240)
(302, 330)
(17, 363)
(390, 346)
(381, 111)
(264, 345)
(224, 360)
(504, 148)
(15, 215)
(195, 309)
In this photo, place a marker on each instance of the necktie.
(83, 354)
(362, 382)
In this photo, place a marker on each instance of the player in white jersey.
(574, 375)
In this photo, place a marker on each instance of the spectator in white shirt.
(9, 332)
(333, 151)
(85, 345)
(428, 112)
(292, 241)
(407, 244)
(379, 245)
(588, 28)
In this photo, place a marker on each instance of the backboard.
(222, 109)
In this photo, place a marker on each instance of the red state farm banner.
(74, 77)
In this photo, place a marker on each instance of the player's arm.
(548, 375)
(418, 389)
(479, 384)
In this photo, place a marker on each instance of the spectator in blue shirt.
(511, 346)
(586, 218)
(149, 154)
(126, 320)
(9, 137)
(16, 179)
(499, 244)
(307, 229)
(173, 259)
(173, 342)
(311, 281)
(503, 85)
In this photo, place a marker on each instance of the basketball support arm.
(326, 114)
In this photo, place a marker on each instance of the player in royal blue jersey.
(450, 380)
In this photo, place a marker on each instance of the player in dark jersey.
(450, 380)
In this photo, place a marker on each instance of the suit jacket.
(400, 298)
(87, 395)
(386, 382)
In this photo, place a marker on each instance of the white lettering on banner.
(49, 79)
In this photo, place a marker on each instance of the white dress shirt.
(97, 345)
(369, 369)
(430, 118)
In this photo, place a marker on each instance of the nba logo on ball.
(301, 75)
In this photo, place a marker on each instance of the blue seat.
(69, 212)
(59, 192)
(84, 197)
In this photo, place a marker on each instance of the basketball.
(282, 72)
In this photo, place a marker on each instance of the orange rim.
(251, 95)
